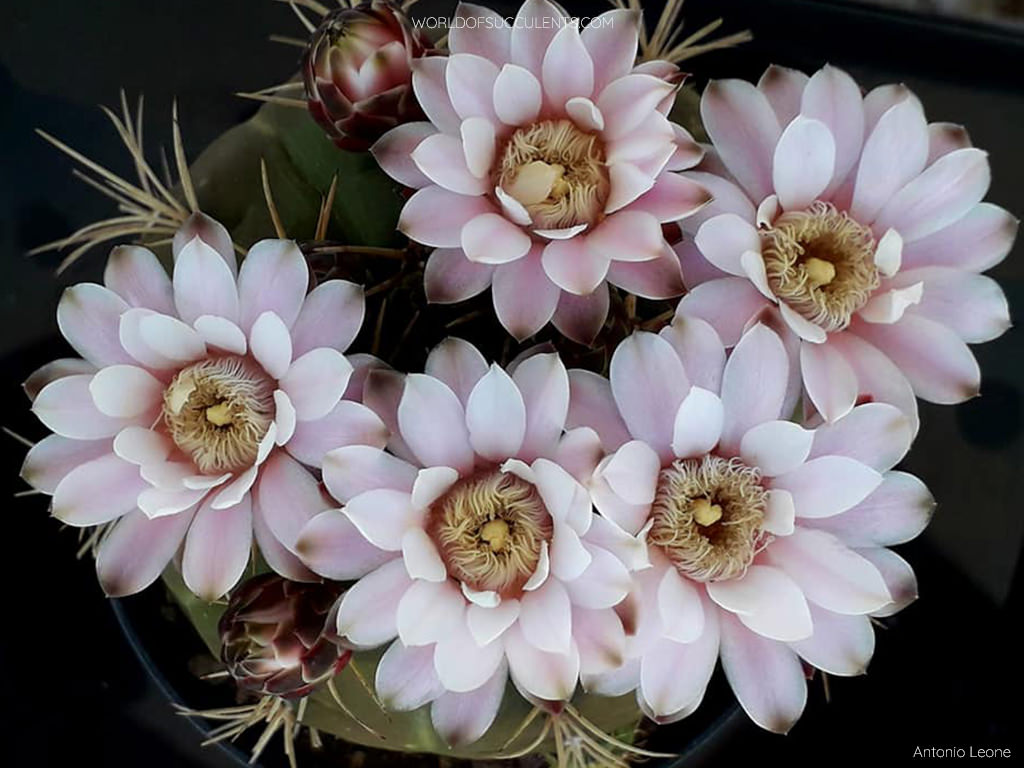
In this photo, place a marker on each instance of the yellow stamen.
(536, 181)
(219, 414)
(706, 513)
(819, 271)
(495, 533)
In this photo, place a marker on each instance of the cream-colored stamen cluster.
(217, 411)
(557, 172)
(490, 528)
(707, 516)
(821, 263)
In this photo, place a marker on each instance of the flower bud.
(278, 636)
(358, 72)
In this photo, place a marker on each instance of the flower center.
(707, 517)
(218, 411)
(821, 263)
(557, 172)
(490, 528)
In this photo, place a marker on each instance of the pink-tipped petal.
(524, 297)
(567, 70)
(724, 239)
(581, 318)
(470, 82)
(753, 384)
(604, 583)
(896, 512)
(51, 459)
(727, 304)
(648, 381)
(405, 678)
(271, 344)
(427, 610)
(203, 284)
(875, 434)
(463, 718)
(833, 97)
(481, 31)
(368, 610)
(66, 407)
(828, 485)
(611, 40)
(744, 128)
(348, 424)
(442, 160)
(804, 162)
(137, 276)
(89, 316)
(894, 153)
(517, 95)
(331, 316)
(126, 391)
(898, 575)
(628, 236)
(460, 663)
(973, 306)
(841, 645)
(136, 551)
(673, 197)
(765, 675)
(450, 277)
(56, 369)
(433, 423)
(316, 381)
(600, 640)
(878, 378)
(217, 549)
(458, 364)
(776, 447)
(273, 278)
(288, 496)
(673, 675)
(534, 27)
(573, 266)
(659, 278)
(830, 380)
(331, 545)
(221, 333)
(97, 491)
(592, 404)
(946, 191)
(627, 102)
(938, 365)
(784, 89)
(429, 85)
(383, 516)
(544, 385)
(492, 239)
(977, 241)
(496, 416)
(830, 574)
(548, 676)
(393, 151)
(211, 232)
(699, 347)
(767, 601)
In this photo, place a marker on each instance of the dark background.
(946, 673)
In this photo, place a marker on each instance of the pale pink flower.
(495, 564)
(766, 541)
(545, 169)
(857, 229)
(192, 391)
